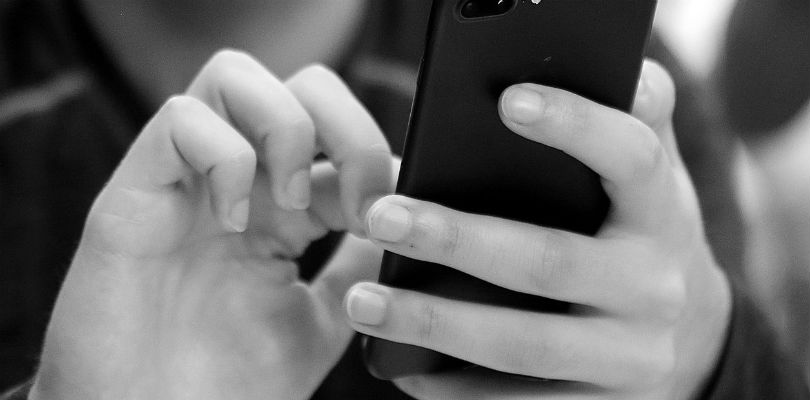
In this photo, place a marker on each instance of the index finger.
(254, 101)
(350, 138)
(626, 153)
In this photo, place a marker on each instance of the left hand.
(184, 284)
(651, 305)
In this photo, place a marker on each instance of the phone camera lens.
(470, 9)
(485, 8)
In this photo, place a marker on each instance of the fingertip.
(655, 95)
(289, 151)
(662, 77)
(231, 183)
(299, 190)
(294, 193)
(364, 180)
(366, 303)
(521, 105)
(239, 216)
(389, 222)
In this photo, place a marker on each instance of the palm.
(165, 301)
(221, 313)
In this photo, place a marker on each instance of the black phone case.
(459, 154)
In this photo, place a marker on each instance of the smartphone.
(459, 154)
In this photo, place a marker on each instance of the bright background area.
(694, 30)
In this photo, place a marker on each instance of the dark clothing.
(67, 116)
(764, 74)
(770, 40)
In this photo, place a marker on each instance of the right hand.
(649, 304)
(183, 284)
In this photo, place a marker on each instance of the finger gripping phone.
(459, 154)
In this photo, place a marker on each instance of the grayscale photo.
(404, 199)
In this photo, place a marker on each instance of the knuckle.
(178, 110)
(230, 66)
(318, 72)
(227, 59)
(430, 323)
(450, 237)
(551, 267)
(570, 115)
(571, 120)
(317, 78)
(243, 158)
(648, 156)
(302, 125)
(537, 356)
(294, 128)
(180, 104)
(440, 233)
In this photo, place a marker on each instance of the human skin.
(650, 304)
(160, 45)
(178, 291)
(183, 285)
(168, 297)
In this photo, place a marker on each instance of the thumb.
(655, 104)
(356, 260)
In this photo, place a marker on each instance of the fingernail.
(388, 222)
(365, 306)
(522, 106)
(298, 190)
(643, 89)
(239, 215)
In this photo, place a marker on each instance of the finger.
(349, 137)
(553, 346)
(184, 139)
(356, 260)
(655, 104)
(518, 256)
(621, 149)
(326, 200)
(479, 383)
(243, 92)
(326, 197)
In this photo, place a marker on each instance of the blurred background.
(754, 59)
(750, 59)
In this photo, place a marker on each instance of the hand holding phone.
(643, 307)
(649, 305)
(459, 153)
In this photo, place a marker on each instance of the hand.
(651, 306)
(183, 285)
